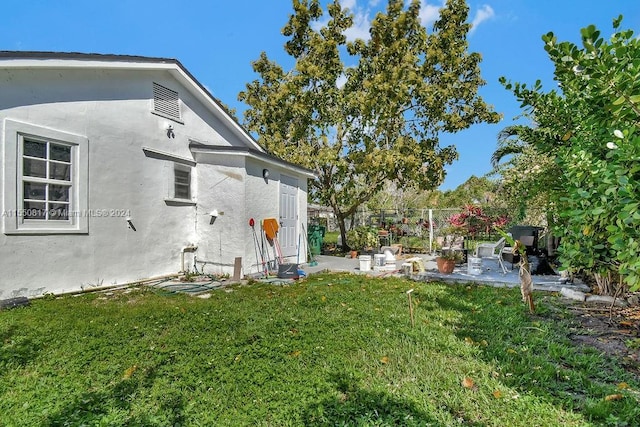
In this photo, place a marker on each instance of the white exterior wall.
(241, 196)
(221, 188)
(112, 108)
(266, 194)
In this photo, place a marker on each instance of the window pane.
(60, 152)
(182, 192)
(182, 177)
(58, 212)
(59, 171)
(34, 210)
(35, 149)
(59, 193)
(34, 190)
(35, 168)
(182, 184)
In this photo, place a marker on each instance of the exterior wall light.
(214, 214)
(265, 173)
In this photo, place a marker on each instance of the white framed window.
(182, 182)
(45, 180)
(180, 185)
(179, 173)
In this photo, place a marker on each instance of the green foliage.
(590, 132)
(479, 191)
(362, 237)
(375, 117)
(331, 350)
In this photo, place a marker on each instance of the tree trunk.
(343, 230)
(605, 282)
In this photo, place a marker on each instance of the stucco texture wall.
(113, 110)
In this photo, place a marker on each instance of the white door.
(288, 233)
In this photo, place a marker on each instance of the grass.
(335, 349)
(331, 237)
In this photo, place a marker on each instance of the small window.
(182, 183)
(166, 102)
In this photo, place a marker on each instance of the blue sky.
(217, 41)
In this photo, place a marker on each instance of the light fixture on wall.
(265, 173)
(170, 133)
(214, 214)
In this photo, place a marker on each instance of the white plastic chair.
(493, 251)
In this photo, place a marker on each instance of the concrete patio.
(491, 275)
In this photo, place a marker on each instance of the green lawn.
(330, 350)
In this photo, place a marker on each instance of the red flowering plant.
(472, 221)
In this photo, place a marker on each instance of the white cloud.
(360, 27)
(348, 4)
(484, 13)
(342, 80)
(429, 13)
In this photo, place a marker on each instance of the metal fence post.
(430, 230)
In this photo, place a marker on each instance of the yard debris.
(614, 397)
(13, 303)
(469, 383)
(128, 373)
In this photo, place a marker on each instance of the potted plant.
(361, 238)
(448, 255)
(447, 260)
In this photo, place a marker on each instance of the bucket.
(474, 265)
(365, 262)
(407, 268)
(379, 260)
(288, 271)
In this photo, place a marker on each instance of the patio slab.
(491, 274)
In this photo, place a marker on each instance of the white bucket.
(379, 260)
(365, 262)
(407, 268)
(474, 265)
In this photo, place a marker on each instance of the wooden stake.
(237, 269)
(410, 307)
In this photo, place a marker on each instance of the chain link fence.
(417, 230)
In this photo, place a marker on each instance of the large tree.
(363, 113)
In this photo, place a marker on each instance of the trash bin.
(315, 235)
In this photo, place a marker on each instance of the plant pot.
(445, 265)
(354, 254)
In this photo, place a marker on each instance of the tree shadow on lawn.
(17, 347)
(354, 405)
(112, 406)
(533, 352)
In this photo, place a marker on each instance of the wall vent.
(165, 102)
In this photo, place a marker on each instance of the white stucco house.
(111, 167)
